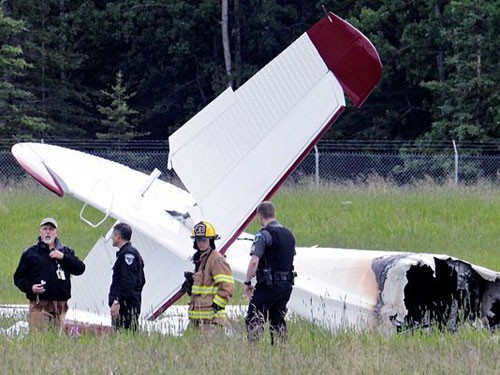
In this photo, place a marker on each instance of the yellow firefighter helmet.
(204, 229)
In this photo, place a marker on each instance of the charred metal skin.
(426, 291)
(491, 304)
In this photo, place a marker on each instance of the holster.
(265, 277)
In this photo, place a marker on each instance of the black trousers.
(268, 303)
(128, 317)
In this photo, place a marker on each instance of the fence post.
(316, 161)
(456, 162)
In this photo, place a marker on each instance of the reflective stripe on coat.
(213, 283)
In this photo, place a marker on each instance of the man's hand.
(249, 291)
(56, 254)
(38, 289)
(115, 309)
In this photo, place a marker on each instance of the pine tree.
(16, 119)
(119, 119)
(466, 100)
(52, 43)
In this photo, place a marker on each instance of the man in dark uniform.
(44, 274)
(271, 262)
(128, 280)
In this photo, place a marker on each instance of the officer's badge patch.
(129, 259)
(257, 237)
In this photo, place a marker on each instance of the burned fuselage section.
(427, 290)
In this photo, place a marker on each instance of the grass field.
(460, 221)
(309, 351)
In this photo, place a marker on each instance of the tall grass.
(309, 351)
(460, 221)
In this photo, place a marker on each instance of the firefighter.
(212, 281)
(272, 255)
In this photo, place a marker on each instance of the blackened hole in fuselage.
(494, 319)
(443, 298)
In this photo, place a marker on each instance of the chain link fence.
(329, 162)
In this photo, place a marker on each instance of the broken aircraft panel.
(424, 290)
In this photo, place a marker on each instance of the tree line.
(139, 69)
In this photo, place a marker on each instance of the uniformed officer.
(44, 274)
(272, 255)
(127, 282)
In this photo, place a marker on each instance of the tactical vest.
(279, 256)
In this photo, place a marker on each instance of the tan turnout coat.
(213, 284)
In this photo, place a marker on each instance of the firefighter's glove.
(216, 307)
(187, 285)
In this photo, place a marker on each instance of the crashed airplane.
(258, 135)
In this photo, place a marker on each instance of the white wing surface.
(241, 147)
(244, 143)
(151, 206)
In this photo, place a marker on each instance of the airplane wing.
(150, 205)
(239, 149)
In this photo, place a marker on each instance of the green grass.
(309, 351)
(459, 221)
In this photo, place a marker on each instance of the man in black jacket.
(128, 280)
(43, 273)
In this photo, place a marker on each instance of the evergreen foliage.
(440, 58)
(16, 115)
(466, 104)
(118, 121)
